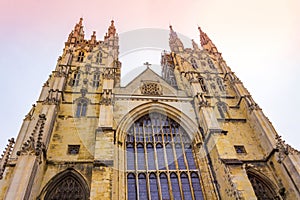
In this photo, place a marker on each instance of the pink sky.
(259, 40)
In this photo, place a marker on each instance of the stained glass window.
(160, 161)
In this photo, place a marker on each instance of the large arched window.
(262, 188)
(160, 161)
(68, 185)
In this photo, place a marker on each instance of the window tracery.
(160, 160)
(262, 189)
(151, 88)
(67, 186)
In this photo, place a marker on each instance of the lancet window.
(202, 84)
(220, 85)
(160, 162)
(210, 64)
(81, 108)
(80, 56)
(96, 80)
(99, 57)
(194, 63)
(76, 79)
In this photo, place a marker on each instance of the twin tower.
(193, 132)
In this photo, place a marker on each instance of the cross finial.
(147, 64)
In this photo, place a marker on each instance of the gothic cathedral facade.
(194, 132)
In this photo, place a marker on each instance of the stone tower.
(192, 133)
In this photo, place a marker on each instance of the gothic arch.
(263, 187)
(67, 185)
(190, 128)
(139, 111)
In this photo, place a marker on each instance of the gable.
(149, 83)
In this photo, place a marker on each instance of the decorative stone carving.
(34, 145)
(107, 97)
(108, 73)
(62, 71)
(30, 113)
(5, 156)
(284, 149)
(151, 88)
(53, 97)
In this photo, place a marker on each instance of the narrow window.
(81, 108)
(151, 159)
(202, 84)
(96, 80)
(170, 155)
(131, 186)
(160, 157)
(190, 157)
(196, 186)
(179, 155)
(130, 156)
(153, 187)
(175, 186)
(141, 157)
(220, 84)
(185, 186)
(164, 186)
(142, 186)
(80, 56)
(211, 64)
(194, 63)
(76, 79)
(99, 58)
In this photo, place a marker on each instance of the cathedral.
(191, 132)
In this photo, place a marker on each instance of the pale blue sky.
(259, 40)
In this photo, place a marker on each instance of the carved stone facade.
(193, 133)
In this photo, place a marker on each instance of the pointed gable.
(149, 83)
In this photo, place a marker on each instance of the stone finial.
(111, 30)
(5, 156)
(30, 113)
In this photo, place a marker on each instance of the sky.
(259, 40)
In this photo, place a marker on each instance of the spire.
(206, 42)
(111, 30)
(174, 41)
(77, 34)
